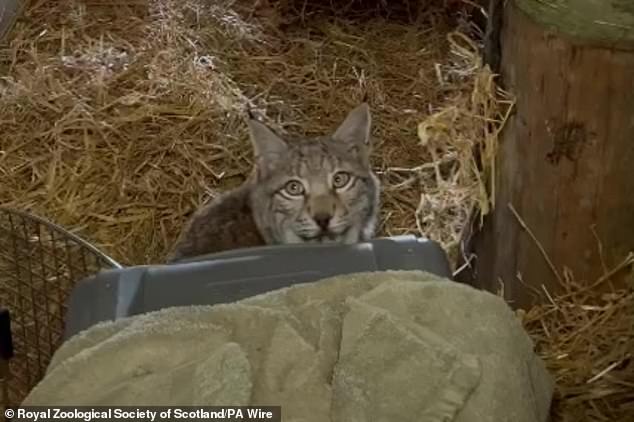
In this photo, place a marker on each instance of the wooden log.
(564, 173)
(492, 49)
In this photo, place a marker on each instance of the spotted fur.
(302, 190)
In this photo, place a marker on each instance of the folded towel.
(384, 346)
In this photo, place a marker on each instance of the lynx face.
(319, 190)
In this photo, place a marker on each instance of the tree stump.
(564, 174)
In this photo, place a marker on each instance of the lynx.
(301, 190)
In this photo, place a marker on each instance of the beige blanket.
(388, 346)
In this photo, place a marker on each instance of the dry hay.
(289, 12)
(586, 337)
(121, 117)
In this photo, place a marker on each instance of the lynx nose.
(322, 220)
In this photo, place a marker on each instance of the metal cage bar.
(40, 263)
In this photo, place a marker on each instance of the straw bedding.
(120, 117)
(123, 119)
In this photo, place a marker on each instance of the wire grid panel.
(40, 263)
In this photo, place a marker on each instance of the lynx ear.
(356, 128)
(264, 140)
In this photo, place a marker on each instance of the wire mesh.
(40, 262)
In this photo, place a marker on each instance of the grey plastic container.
(234, 275)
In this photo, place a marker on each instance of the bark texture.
(565, 164)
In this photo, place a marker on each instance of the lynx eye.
(294, 188)
(340, 179)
